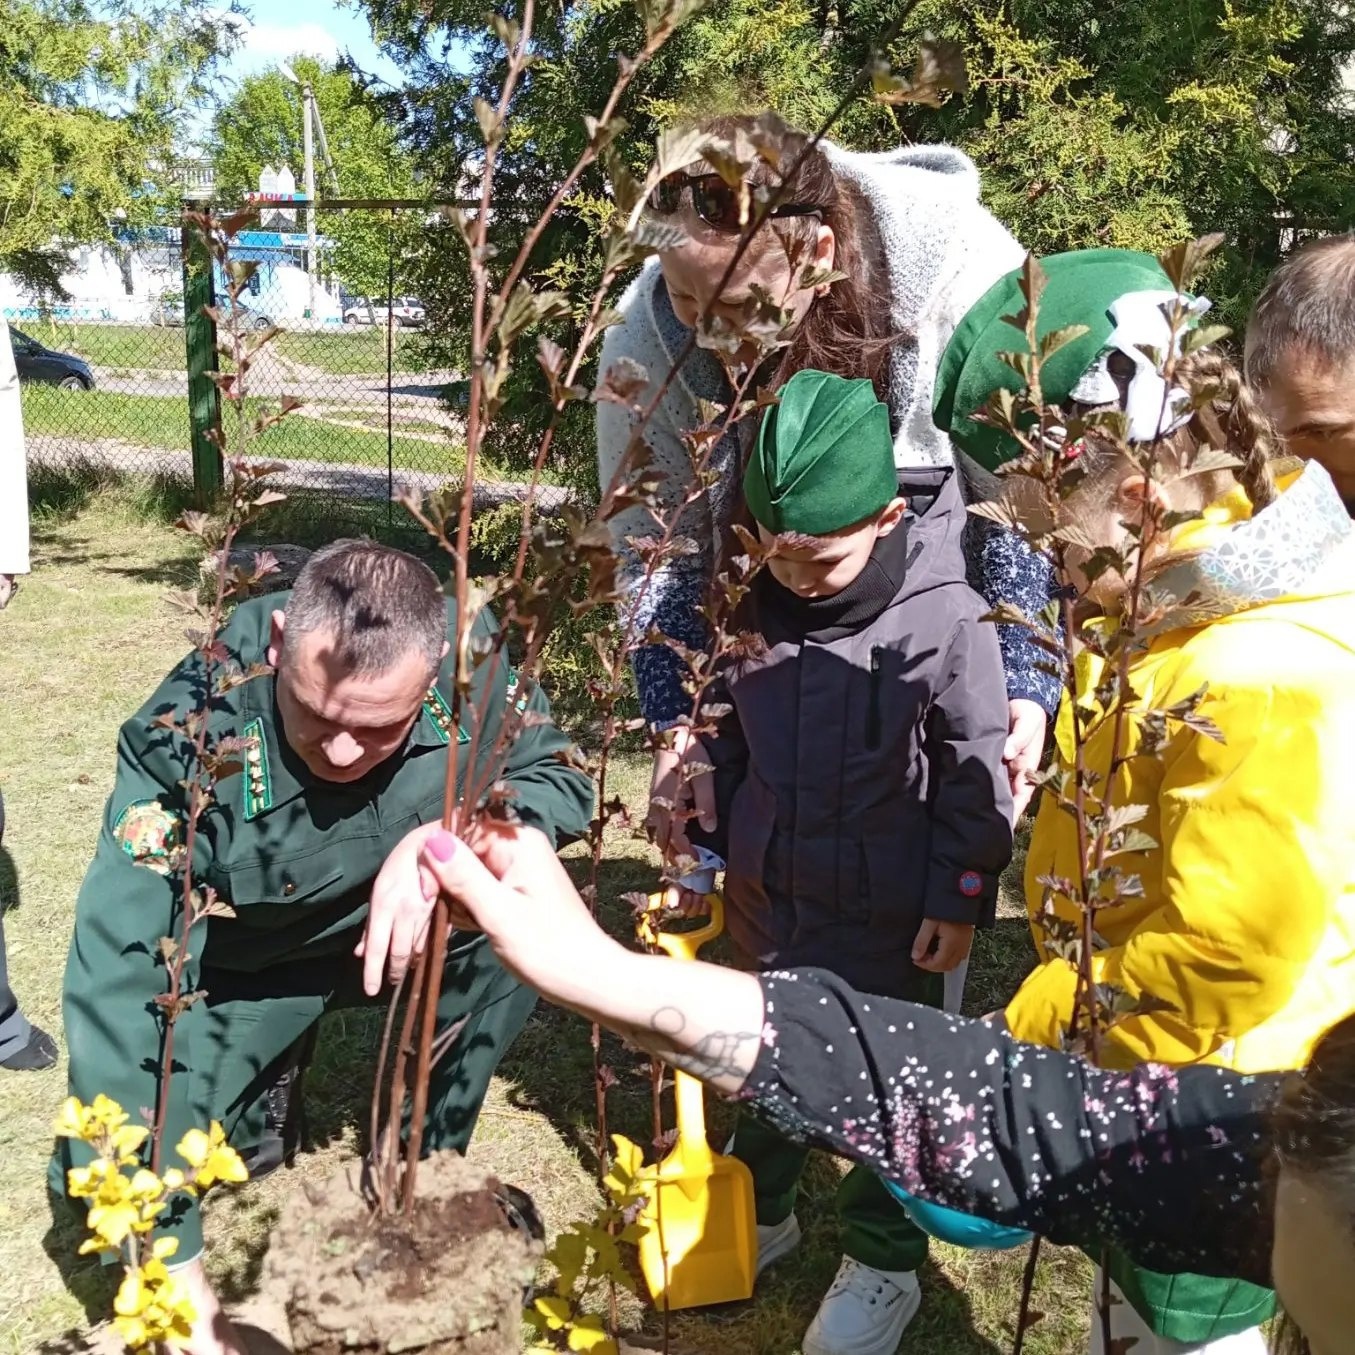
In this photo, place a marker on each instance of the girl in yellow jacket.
(1246, 922)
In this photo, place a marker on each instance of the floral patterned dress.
(1165, 1164)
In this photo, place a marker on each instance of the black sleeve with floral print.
(1165, 1164)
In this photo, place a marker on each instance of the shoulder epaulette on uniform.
(435, 704)
(258, 780)
(521, 704)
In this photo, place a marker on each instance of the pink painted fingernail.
(443, 845)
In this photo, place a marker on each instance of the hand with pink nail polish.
(507, 882)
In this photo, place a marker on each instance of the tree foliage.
(261, 124)
(91, 98)
(1094, 122)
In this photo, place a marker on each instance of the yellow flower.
(125, 1143)
(133, 1331)
(103, 1125)
(121, 1206)
(110, 1223)
(148, 1194)
(82, 1182)
(107, 1114)
(586, 1333)
(152, 1305)
(74, 1120)
(211, 1157)
(175, 1180)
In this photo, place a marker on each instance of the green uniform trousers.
(253, 1020)
(1191, 1309)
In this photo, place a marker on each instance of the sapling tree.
(567, 564)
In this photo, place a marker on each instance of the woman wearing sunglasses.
(1200, 1168)
(916, 249)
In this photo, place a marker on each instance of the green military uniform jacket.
(293, 856)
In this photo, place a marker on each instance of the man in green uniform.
(346, 753)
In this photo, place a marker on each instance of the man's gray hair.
(377, 602)
(1307, 303)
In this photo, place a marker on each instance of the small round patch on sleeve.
(971, 884)
(149, 834)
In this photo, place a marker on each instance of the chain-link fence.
(106, 373)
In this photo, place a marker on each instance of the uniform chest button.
(288, 889)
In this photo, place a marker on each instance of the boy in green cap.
(870, 815)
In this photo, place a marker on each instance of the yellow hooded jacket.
(1247, 920)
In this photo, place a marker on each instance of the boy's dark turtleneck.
(783, 615)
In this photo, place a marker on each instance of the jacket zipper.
(873, 733)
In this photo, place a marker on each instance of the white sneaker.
(775, 1240)
(865, 1312)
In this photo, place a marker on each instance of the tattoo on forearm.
(718, 1056)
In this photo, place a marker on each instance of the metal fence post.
(204, 399)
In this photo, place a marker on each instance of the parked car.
(408, 311)
(38, 363)
(170, 312)
(252, 317)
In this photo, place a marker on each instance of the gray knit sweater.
(943, 251)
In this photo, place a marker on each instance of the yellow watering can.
(700, 1243)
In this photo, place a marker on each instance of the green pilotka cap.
(1082, 288)
(824, 458)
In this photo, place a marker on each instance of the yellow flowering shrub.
(125, 1200)
(587, 1259)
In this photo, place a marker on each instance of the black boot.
(37, 1054)
(285, 1113)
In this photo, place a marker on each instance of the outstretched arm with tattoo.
(954, 1111)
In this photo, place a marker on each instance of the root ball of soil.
(448, 1282)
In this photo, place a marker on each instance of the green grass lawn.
(85, 641)
(352, 351)
(160, 348)
(162, 422)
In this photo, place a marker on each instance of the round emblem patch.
(971, 884)
(149, 834)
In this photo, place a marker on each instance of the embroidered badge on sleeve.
(149, 834)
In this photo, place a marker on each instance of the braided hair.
(1230, 420)
(1233, 421)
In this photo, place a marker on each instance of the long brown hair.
(1313, 1130)
(846, 331)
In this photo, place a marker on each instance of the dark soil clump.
(451, 1282)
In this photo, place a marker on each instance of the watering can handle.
(685, 945)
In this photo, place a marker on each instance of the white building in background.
(104, 282)
(125, 280)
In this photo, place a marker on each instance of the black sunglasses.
(713, 200)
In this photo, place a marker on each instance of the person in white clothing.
(13, 475)
(23, 1047)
